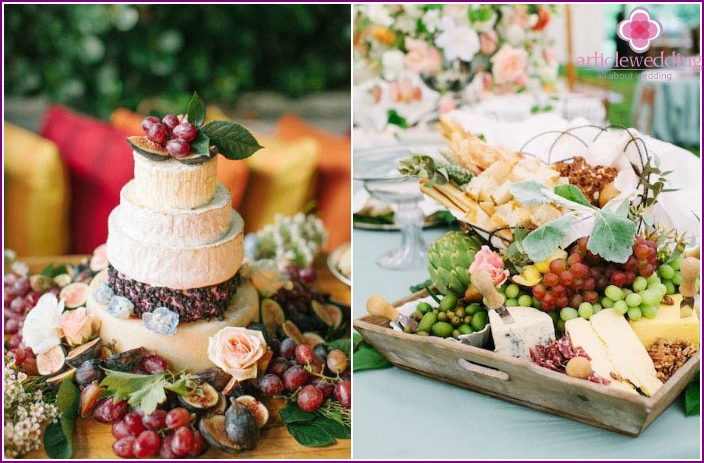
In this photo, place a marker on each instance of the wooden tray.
(520, 381)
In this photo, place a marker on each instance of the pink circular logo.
(639, 30)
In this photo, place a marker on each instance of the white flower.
(458, 12)
(547, 72)
(41, 327)
(413, 10)
(379, 14)
(431, 20)
(457, 42)
(392, 63)
(20, 268)
(515, 35)
(405, 24)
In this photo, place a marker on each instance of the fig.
(215, 377)
(89, 371)
(272, 315)
(194, 159)
(313, 339)
(241, 426)
(90, 396)
(62, 280)
(307, 321)
(125, 361)
(292, 331)
(74, 295)
(147, 148)
(205, 398)
(55, 381)
(213, 430)
(221, 406)
(336, 315)
(51, 361)
(87, 351)
(41, 283)
(255, 407)
(321, 311)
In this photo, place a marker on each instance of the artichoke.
(449, 258)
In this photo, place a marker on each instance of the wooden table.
(93, 440)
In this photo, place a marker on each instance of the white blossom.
(41, 331)
(457, 42)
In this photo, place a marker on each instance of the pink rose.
(421, 58)
(491, 262)
(522, 80)
(488, 42)
(77, 326)
(99, 261)
(403, 91)
(237, 351)
(508, 64)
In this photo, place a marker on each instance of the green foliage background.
(98, 57)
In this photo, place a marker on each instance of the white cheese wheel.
(172, 184)
(175, 227)
(176, 267)
(188, 347)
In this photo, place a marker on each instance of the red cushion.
(99, 162)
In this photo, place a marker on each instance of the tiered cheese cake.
(174, 242)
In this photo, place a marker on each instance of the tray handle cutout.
(482, 370)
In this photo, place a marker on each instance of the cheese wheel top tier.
(171, 184)
(174, 227)
(176, 267)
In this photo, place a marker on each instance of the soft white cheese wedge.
(172, 184)
(531, 328)
(626, 351)
(583, 335)
(175, 227)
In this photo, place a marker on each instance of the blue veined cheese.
(531, 328)
(583, 335)
(626, 351)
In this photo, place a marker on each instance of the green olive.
(465, 329)
(424, 308)
(407, 329)
(448, 302)
(442, 329)
(460, 312)
(467, 319)
(422, 333)
(456, 334)
(471, 309)
(479, 320)
(455, 321)
(442, 317)
(416, 315)
(427, 322)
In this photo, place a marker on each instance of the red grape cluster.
(174, 134)
(315, 377)
(169, 434)
(19, 299)
(583, 275)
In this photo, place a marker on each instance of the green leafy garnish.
(58, 436)
(233, 140)
(365, 357)
(345, 345)
(422, 166)
(611, 233)
(515, 255)
(146, 391)
(320, 429)
(200, 144)
(692, 397)
(53, 270)
(393, 118)
(196, 110)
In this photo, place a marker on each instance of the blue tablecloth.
(401, 415)
(668, 110)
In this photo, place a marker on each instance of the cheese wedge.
(626, 351)
(668, 324)
(531, 328)
(583, 335)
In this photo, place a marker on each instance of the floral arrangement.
(502, 48)
(292, 240)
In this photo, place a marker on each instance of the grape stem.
(320, 375)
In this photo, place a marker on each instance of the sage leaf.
(612, 237)
(196, 110)
(529, 192)
(233, 140)
(544, 240)
(572, 193)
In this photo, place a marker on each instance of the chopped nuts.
(591, 180)
(669, 356)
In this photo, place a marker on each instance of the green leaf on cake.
(196, 111)
(233, 140)
(200, 144)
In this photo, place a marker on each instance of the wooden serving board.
(520, 381)
(93, 440)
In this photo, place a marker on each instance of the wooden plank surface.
(522, 382)
(93, 440)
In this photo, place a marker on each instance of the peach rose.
(77, 326)
(508, 64)
(403, 91)
(491, 262)
(99, 261)
(488, 42)
(237, 351)
(421, 58)
(446, 104)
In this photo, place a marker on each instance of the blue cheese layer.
(531, 328)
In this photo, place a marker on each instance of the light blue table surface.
(401, 415)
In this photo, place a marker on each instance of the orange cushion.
(334, 180)
(232, 174)
(36, 195)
